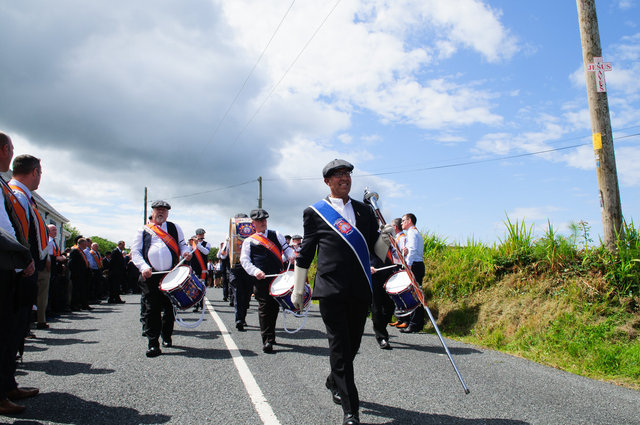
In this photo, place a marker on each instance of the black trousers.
(344, 320)
(417, 317)
(10, 336)
(242, 285)
(157, 313)
(382, 306)
(268, 309)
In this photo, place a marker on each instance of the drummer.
(158, 247)
(262, 255)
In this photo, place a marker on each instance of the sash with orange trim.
(198, 255)
(97, 258)
(82, 253)
(267, 243)
(165, 237)
(42, 233)
(17, 206)
(56, 248)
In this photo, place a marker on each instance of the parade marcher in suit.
(17, 263)
(296, 243)
(412, 251)
(344, 234)
(200, 249)
(27, 173)
(80, 275)
(262, 255)
(158, 247)
(117, 274)
(223, 256)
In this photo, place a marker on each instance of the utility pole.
(605, 159)
(260, 192)
(144, 219)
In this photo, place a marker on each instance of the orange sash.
(19, 210)
(41, 228)
(56, 249)
(96, 257)
(81, 253)
(266, 242)
(166, 238)
(203, 268)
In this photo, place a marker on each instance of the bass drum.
(240, 228)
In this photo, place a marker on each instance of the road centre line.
(260, 403)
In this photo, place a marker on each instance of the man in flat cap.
(344, 233)
(198, 263)
(261, 255)
(158, 247)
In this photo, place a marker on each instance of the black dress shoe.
(153, 351)
(166, 342)
(268, 347)
(409, 330)
(240, 327)
(384, 344)
(351, 419)
(335, 395)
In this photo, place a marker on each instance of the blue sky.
(196, 100)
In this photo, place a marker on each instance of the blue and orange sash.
(86, 262)
(42, 233)
(350, 234)
(97, 258)
(166, 238)
(56, 248)
(267, 243)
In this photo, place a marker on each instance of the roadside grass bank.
(556, 300)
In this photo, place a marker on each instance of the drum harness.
(304, 314)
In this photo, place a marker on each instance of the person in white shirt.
(413, 251)
(158, 246)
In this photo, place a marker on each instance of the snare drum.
(282, 287)
(402, 292)
(183, 287)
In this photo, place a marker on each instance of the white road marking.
(255, 393)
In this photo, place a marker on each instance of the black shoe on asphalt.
(351, 419)
(240, 327)
(384, 344)
(410, 330)
(225, 299)
(166, 342)
(268, 347)
(153, 351)
(335, 395)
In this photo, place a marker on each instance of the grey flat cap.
(200, 231)
(296, 237)
(259, 214)
(335, 165)
(161, 204)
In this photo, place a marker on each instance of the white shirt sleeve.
(136, 252)
(245, 258)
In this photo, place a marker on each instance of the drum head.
(175, 278)
(398, 282)
(282, 284)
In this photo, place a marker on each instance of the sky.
(463, 112)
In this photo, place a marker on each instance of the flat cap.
(200, 231)
(335, 165)
(259, 214)
(161, 204)
(296, 237)
(241, 215)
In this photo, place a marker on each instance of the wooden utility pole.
(144, 219)
(605, 159)
(260, 192)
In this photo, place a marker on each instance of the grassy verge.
(576, 308)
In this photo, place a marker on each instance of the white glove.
(299, 279)
(384, 240)
(387, 232)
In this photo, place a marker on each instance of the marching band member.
(344, 233)
(158, 246)
(262, 255)
(200, 250)
(412, 251)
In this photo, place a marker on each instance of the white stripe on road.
(255, 393)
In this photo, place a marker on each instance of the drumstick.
(388, 267)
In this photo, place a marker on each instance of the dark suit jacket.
(339, 272)
(13, 255)
(78, 266)
(117, 267)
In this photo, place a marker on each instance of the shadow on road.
(64, 408)
(62, 368)
(398, 416)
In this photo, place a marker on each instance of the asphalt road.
(91, 369)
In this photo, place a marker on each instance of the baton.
(372, 198)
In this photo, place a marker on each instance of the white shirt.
(222, 256)
(159, 254)
(415, 245)
(245, 254)
(345, 210)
